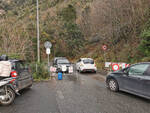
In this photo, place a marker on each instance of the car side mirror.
(125, 71)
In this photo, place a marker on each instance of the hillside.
(76, 28)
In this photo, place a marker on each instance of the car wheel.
(10, 97)
(113, 85)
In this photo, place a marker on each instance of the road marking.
(60, 95)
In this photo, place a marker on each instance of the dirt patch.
(100, 78)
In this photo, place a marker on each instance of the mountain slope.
(75, 27)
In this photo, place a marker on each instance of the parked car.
(86, 64)
(62, 64)
(24, 76)
(134, 79)
(20, 78)
(57, 58)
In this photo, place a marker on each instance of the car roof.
(59, 58)
(15, 60)
(86, 58)
(63, 59)
(141, 63)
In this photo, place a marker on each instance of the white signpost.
(48, 46)
(71, 69)
(48, 51)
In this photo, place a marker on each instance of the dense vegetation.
(77, 28)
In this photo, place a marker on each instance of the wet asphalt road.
(84, 93)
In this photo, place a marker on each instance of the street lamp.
(38, 32)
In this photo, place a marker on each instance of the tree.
(145, 42)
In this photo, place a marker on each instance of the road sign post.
(104, 48)
(48, 51)
(48, 46)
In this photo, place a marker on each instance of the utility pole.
(38, 32)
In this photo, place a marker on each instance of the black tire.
(95, 72)
(11, 94)
(113, 85)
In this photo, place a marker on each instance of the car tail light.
(95, 65)
(13, 74)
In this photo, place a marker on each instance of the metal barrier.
(72, 72)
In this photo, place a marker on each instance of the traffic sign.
(64, 68)
(48, 44)
(71, 69)
(104, 47)
(48, 51)
(127, 65)
(115, 67)
(52, 69)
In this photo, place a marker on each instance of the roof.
(86, 58)
(141, 63)
(15, 60)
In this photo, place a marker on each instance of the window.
(64, 61)
(79, 60)
(13, 66)
(20, 65)
(138, 69)
(88, 61)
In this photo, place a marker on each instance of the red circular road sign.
(104, 47)
(115, 67)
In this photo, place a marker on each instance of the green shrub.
(68, 14)
(145, 41)
(39, 71)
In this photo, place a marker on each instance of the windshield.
(64, 61)
(88, 61)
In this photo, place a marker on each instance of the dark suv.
(19, 78)
(60, 63)
(24, 77)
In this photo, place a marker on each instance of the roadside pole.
(38, 32)
(104, 48)
(104, 56)
(48, 52)
(48, 46)
(48, 61)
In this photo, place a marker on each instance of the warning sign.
(115, 67)
(52, 69)
(71, 69)
(104, 47)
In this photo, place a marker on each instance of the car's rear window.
(63, 61)
(88, 61)
(13, 66)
